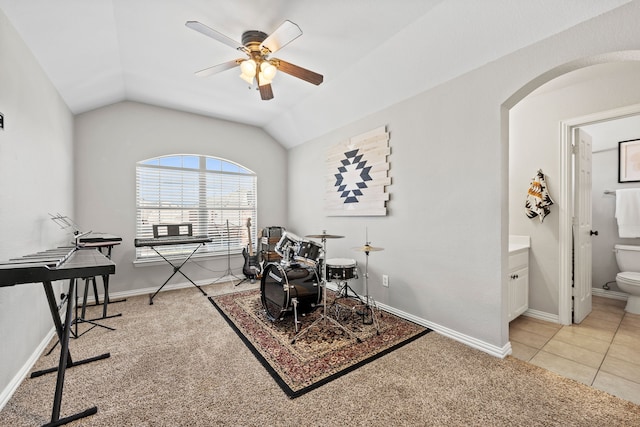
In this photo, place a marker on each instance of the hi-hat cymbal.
(324, 236)
(367, 248)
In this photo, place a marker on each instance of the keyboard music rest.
(170, 241)
(77, 263)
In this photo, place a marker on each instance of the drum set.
(297, 283)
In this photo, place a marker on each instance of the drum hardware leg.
(368, 313)
(295, 313)
(323, 317)
(367, 307)
(343, 292)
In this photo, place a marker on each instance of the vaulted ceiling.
(372, 53)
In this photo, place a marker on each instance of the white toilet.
(628, 280)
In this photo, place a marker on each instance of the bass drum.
(280, 285)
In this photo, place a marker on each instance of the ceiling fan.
(258, 46)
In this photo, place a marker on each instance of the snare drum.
(280, 284)
(341, 269)
(308, 252)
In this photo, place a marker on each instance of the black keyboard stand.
(63, 331)
(176, 269)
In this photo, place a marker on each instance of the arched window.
(215, 195)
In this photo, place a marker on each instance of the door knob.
(593, 233)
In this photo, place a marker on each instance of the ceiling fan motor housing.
(253, 38)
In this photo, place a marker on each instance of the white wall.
(535, 144)
(108, 143)
(36, 177)
(446, 234)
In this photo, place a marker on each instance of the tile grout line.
(608, 348)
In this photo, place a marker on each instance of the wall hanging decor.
(629, 161)
(358, 175)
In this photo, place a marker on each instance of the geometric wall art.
(358, 175)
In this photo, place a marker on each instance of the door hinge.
(574, 148)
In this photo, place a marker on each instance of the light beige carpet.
(178, 363)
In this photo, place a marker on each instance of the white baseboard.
(541, 315)
(151, 290)
(11, 388)
(491, 349)
(599, 292)
(554, 318)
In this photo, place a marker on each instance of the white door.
(582, 232)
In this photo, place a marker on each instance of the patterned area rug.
(325, 351)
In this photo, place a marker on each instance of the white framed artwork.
(358, 175)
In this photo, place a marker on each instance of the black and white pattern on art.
(352, 176)
(358, 175)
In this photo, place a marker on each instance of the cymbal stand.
(367, 307)
(324, 317)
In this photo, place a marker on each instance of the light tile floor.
(603, 351)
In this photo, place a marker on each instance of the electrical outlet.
(385, 280)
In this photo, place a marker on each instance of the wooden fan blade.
(299, 72)
(266, 93)
(219, 68)
(210, 32)
(282, 36)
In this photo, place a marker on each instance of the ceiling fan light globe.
(263, 80)
(246, 78)
(268, 70)
(248, 68)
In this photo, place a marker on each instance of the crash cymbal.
(324, 236)
(367, 248)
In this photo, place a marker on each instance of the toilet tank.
(628, 257)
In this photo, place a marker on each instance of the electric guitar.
(252, 268)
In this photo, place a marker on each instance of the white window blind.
(215, 195)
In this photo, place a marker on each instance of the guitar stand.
(244, 280)
(176, 269)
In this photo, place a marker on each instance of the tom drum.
(287, 242)
(308, 252)
(281, 284)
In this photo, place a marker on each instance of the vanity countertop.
(518, 243)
